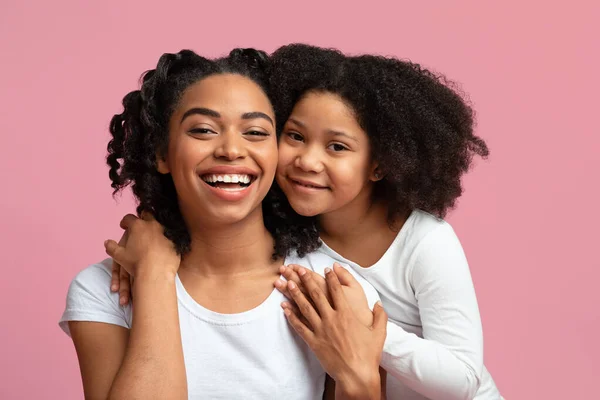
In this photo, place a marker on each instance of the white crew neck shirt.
(251, 355)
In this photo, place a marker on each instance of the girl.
(374, 148)
(198, 145)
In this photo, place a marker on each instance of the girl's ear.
(376, 173)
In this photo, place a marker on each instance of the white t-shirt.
(250, 355)
(434, 343)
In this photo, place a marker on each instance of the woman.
(198, 145)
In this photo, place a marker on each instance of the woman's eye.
(257, 133)
(201, 131)
(337, 147)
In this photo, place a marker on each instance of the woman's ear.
(162, 165)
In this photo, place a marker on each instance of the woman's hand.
(143, 248)
(121, 280)
(348, 350)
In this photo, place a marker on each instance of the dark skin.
(322, 316)
(147, 362)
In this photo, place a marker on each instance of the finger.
(290, 275)
(335, 290)
(344, 276)
(306, 308)
(116, 252)
(302, 330)
(282, 287)
(318, 297)
(319, 279)
(380, 317)
(114, 280)
(128, 221)
(131, 282)
(295, 310)
(124, 291)
(124, 237)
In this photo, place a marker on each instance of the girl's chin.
(306, 210)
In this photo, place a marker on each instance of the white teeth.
(229, 178)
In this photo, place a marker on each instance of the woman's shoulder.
(94, 272)
(89, 298)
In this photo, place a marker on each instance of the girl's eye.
(295, 136)
(337, 147)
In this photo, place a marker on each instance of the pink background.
(528, 220)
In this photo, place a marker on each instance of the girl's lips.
(306, 183)
(306, 187)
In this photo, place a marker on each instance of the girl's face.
(324, 156)
(222, 151)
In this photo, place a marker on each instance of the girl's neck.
(360, 231)
(362, 214)
(224, 251)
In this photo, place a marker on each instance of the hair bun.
(254, 58)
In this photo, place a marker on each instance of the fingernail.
(285, 304)
(282, 269)
(122, 300)
(291, 285)
(287, 312)
(105, 243)
(327, 270)
(301, 271)
(378, 303)
(113, 287)
(278, 283)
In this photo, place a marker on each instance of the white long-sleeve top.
(434, 345)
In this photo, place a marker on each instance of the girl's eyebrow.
(343, 134)
(331, 131)
(295, 121)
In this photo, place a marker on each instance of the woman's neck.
(230, 250)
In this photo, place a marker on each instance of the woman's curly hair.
(419, 127)
(141, 132)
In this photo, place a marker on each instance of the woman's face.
(324, 156)
(222, 151)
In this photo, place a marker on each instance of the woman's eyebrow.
(257, 114)
(202, 111)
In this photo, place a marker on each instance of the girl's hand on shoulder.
(348, 350)
(144, 247)
(353, 291)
